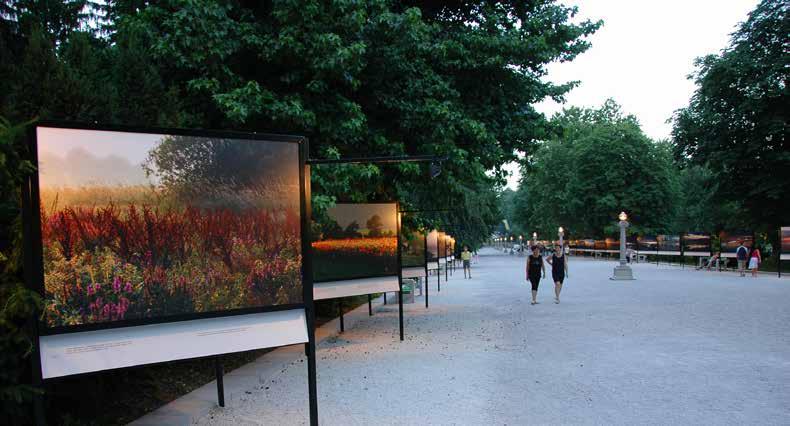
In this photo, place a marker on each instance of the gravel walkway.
(674, 347)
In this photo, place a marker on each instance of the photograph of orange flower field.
(145, 226)
(355, 241)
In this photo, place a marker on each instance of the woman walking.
(559, 269)
(534, 268)
(755, 260)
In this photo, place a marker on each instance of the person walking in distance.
(535, 268)
(741, 255)
(559, 269)
(466, 257)
(755, 260)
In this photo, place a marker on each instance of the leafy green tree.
(374, 226)
(597, 164)
(381, 77)
(374, 78)
(736, 122)
(352, 230)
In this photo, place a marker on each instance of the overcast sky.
(642, 56)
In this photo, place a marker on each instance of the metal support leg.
(426, 291)
(340, 310)
(370, 306)
(220, 384)
(400, 310)
(312, 381)
(39, 418)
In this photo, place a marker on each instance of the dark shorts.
(466, 264)
(535, 281)
(558, 278)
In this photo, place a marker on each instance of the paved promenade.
(674, 347)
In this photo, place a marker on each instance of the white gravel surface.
(673, 347)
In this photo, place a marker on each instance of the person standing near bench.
(466, 257)
(534, 268)
(741, 254)
(559, 269)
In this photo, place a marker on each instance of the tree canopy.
(736, 122)
(456, 80)
(597, 163)
(381, 77)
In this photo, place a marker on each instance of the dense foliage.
(736, 124)
(17, 301)
(380, 77)
(596, 164)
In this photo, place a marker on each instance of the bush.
(18, 304)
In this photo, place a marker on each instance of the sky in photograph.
(642, 55)
(344, 214)
(74, 158)
(71, 157)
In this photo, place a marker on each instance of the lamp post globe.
(623, 272)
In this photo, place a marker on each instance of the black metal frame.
(34, 273)
(427, 284)
(363, 277)
(37, 283)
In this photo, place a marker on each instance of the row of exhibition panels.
(206, 243)
(697, 244)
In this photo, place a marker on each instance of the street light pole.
(622, 272)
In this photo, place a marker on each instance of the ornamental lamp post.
(560, 233)
(622, 272)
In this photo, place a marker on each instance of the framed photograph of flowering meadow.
(353, 241)
(142, 227)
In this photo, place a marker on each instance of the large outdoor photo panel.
(730, 240)
(149, 227)
(646, 243)
(354, 241)
(668, 244)
(412, 249)
(433, 248)
(784, 232)
(442, 245)
(696, 244)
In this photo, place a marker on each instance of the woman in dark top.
(534, 268)
(559, 268)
